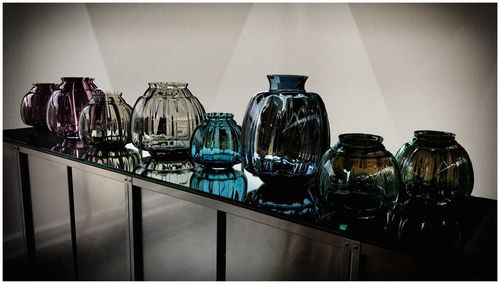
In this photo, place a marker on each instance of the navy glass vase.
(359, 181)
(285, 132)
(216, 142)
(228, 183)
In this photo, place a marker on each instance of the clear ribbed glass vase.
(165, 117)
(105, 121)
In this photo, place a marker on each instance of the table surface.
(300, 205)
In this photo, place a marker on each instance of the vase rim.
(168, 85)
(101, 93)
(221, 115)
(44, 84)
(434, 135)
(283, 82)
(77, 79)
(361, 139)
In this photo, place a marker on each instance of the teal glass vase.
(216, 142)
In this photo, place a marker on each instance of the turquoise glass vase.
(216, 142)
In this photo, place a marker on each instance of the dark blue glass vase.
(216, 142)
(228, 183)
(285, 132)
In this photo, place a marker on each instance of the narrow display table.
(71, 212)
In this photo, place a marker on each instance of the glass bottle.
(165, 117)
(105, 121)
(285, 131)
(66, 103)
(34, 104)
(216, 142)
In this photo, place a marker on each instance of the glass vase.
(34, 105)
(66, 103)
(105, 121)
(216, 142)
(359, 181)
(435, 169)
(228, 183)
(285, 131)
(164, 118)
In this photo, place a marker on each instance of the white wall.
(386, 69)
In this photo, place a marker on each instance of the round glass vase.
(216, 142)
(164, 118)
(285, 131)
(359, 180)
(435, 169)
(66, 103)
(34, 104)
(105, 121)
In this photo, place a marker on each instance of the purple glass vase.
(34, 104)
(66, 103)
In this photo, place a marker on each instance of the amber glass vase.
(359, 180)
(435, 168)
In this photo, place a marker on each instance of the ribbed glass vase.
(216, 142)
(34, 104)
(105, 121)
(358, 179)
(66, 103)
(435, 168)
(285, 132)
(165, 117)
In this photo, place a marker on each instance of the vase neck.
(168, 85)
(286, 82)
(361, 141)
(218, 116)
(434, 137)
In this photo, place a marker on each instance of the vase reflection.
(120, 158)
(423, 228)
(297, 202)
(228, 183)
(176, 169)
(73, 147)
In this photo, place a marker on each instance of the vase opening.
(361, 140)
(286, 82)
(73, 79)
(168, 85)
(218, 115)
(436, 136)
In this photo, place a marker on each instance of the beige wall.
(386, 69)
